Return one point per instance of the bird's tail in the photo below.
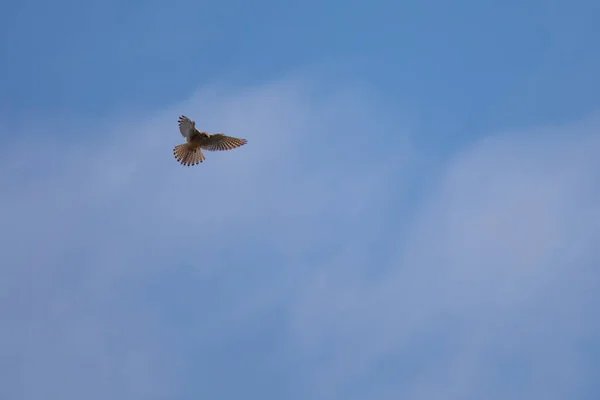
(186, 155)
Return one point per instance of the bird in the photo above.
(190, 152)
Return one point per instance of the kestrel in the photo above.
(190, 153)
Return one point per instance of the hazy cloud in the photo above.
(296, 266)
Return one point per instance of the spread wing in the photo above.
(218, 142)
(186, 126)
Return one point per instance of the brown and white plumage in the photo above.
(190, 152)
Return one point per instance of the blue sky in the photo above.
(415, 215)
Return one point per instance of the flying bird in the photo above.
(190, 152)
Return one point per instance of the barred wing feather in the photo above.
(219, 142)
(186, 126)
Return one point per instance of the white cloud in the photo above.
(93, 227)
(492, 294)
(289, 267)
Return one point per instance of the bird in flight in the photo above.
(190, 152)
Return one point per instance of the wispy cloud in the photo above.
(102, 232)
(296, 266)
(492, 294)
